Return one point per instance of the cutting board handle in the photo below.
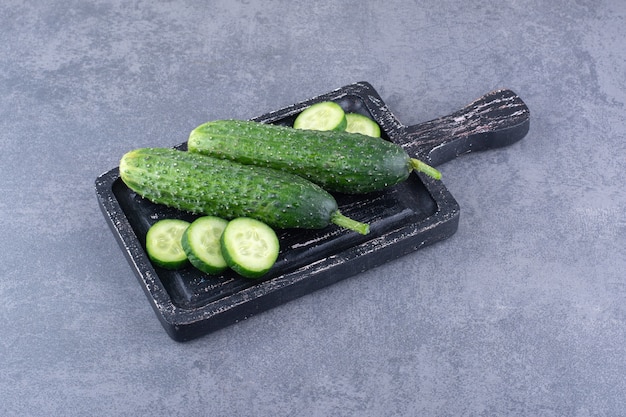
(499, 118)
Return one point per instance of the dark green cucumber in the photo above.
(337, 161)
(217, 187)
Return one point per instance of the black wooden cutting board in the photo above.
(402, 219)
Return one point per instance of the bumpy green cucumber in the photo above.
(204, 185)
(338, 161)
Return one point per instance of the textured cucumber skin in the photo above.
(337, 161)
(204, 185)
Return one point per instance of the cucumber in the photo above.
(337, 161)
(201, 243)
(163, 243)
(357, 123)
(326, 115)
(250, 247)
(204, 185)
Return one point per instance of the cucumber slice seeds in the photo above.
(357, 123)
(250, 247)
(201, 243)
(326, 115)
(163, 243)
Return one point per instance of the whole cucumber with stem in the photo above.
(205, 185)
(338, 161)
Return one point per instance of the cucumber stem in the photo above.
(343, 221)
(425, 168)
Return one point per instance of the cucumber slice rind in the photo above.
(163, 243)
(201, 243)
(326, 115)
(250, 247)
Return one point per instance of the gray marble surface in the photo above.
(521, 313)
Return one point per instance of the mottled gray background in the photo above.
(521, 313)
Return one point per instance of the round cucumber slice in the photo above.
(163, 243)
(201, 243)
(357, 123)
(249, 246)
(326, 115)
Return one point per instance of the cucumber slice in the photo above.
(163, 243)
(249, 246)
(201, 243)
(357, 123)
(326, 115)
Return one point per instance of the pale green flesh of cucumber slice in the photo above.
(357, 123)
(201, 243)
(250, 247)
(326, 115)
(163, 243)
